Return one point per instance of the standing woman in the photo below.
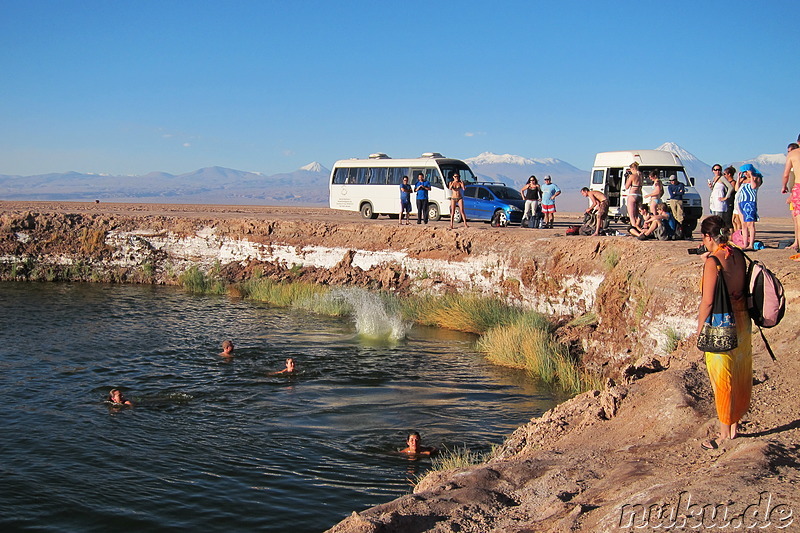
(633, 184)
(457, 199)
(732, 215)
(531, 193)
(748, 203)
(731, 373)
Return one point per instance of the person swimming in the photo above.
(227, 349)
(290, 368)
(415, 446)
(115, 396)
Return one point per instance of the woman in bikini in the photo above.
(634, 187)
(457, 199)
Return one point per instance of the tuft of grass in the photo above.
(309, 297)
(196, 281)
(587, 319)
(528, 344)
(462, 312)
(673, 338)
(610, 258)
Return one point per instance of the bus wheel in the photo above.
(433, 212)
(367, 212)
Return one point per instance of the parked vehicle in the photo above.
(608, 177)
(371, 186)
(485, 200)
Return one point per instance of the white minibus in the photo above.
(608, 177)
(372, 186)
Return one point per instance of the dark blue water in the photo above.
(215, 445)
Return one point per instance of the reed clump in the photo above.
(196, 281)
(299, 295)
(528, 344)
(462, 312)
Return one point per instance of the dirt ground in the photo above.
(624, 458)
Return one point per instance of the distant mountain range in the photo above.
(308, 185)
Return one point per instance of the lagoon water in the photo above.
(215, 445)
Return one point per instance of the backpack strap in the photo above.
(749, 272)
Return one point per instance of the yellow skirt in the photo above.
(731, 372)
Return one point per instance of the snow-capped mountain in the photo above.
(694, 167)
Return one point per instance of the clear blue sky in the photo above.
(128, 87)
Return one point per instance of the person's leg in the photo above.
(453, 207)
(419, 210)
(796, 243)
(425, 215)
(461, 208)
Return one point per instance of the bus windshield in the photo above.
(463, 171)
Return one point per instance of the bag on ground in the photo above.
(589, 223)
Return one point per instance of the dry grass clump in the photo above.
(461, 312)
(528, 344)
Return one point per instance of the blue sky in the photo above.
(129, 87)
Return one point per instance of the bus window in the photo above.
(597, 177)
(464, 172)
(352, 175)
(361, 176)
(432, 175)
(340, 176)
(377, 176)
(396, 174)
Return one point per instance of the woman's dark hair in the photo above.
(714, 227)
(731, 171)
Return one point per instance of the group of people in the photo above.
(734, 198)
(540, 201)
(421, 188)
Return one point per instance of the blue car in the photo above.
(483, 199)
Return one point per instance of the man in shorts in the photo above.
(599, 205)
(793, 162)
(549, 193)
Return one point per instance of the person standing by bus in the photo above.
(421, 188)
(405, 201)
(633, 184)
(549, 193)
(457, 199)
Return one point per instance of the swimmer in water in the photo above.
(289, 367)
(115, 396)
(416, 448)
(227, 349)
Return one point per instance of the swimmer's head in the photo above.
(290, 364)
(413, 440)
(115, 396)
(227, 344)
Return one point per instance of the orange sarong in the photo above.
(731, 372)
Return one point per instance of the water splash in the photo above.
(375, 317)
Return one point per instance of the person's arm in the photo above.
(709, 286)
(557, 192)
(786, 171)
(522, 191)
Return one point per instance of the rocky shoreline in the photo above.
(622, 458)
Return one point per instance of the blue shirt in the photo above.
(547, 193)
(676, 191)
(422, 194)
(405, 192)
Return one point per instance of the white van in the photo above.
(372, 186)
(608, 177)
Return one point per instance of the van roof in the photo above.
(624, 158)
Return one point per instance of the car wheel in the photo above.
(367, 212)
(502, 217)
(433, 212)
(456, 217)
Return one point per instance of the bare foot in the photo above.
(734, 430)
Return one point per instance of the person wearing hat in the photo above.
(549, 193)
(748, 203)
(676, 190)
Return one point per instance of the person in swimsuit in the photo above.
(748, 204)
(599, 204)
(290, 368)
(227, 349)
(793, 167)
(115, 396)
(415, 446)
(658, 190)
(457, 199)
(633, 184)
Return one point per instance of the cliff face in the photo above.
(578, 466)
